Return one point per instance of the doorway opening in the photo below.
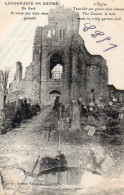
(53, 95)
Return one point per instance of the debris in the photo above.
(91, 129)
(110, 103)
(50, 163)
(91, 104)
(103, 127)
(87, 127)
(91, 109)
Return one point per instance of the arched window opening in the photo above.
(56, 68)
(57, 71)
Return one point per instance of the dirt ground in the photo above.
(20, 148)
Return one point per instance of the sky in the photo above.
(17, 34)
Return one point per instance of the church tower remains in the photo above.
(61, 65)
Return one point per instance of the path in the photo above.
(20, 148)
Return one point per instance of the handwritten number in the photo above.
(97, 33)
(107, 38)
(88, 26)
(113, 46)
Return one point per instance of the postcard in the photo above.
(62, 97)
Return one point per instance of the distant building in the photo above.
(61, 65)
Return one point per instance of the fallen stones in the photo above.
(91, 130)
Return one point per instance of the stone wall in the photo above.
(18, 74)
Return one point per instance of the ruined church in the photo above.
(62, 66)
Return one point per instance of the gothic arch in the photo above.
(50, 54)
(56, 65)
